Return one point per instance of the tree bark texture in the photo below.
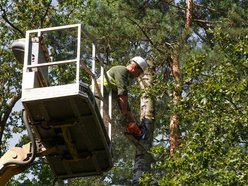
(173, 61)
(188, 15)
(142, 159)
(174, 123)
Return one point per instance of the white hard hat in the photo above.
(140, 61)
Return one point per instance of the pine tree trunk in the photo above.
(142, 159)
(174, 138)
(188, 15)
(174, 124)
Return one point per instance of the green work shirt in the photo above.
(118, 77)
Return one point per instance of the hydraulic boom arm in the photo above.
(14, 162)
(17, 159)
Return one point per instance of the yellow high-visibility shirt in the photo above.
(118, 77)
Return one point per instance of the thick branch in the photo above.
(7, 113)
(4, 16)
(46, 12)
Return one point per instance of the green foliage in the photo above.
(213, 119)
(213, 110)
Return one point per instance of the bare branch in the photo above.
(148, 38)
(204, 21)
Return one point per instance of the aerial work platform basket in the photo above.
(60, 106)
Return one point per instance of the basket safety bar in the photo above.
(54, 28)
(53, 63)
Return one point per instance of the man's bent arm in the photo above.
(124, 107)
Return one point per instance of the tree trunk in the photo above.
(142, 159)
(174, 124)
(188, 15)
(174, 138)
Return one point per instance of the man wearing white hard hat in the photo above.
(119, 80)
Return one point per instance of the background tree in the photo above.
(209, 115)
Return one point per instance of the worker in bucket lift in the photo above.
(118, 77)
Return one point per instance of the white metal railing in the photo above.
(94, 86)
(39, 33)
